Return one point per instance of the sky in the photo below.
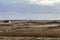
(30, 9)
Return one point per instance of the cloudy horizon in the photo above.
(30, 9)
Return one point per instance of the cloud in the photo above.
(22, 9)
(44, 2)
(23, 6)
(18, 16)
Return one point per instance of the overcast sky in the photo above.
(30, 9)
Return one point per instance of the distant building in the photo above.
(7, 21)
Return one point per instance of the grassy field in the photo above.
(17, 25)
(29, 38)
(34, 27)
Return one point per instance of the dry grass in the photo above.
(30, 28)
(29, 38)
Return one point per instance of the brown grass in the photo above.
(32, 33)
